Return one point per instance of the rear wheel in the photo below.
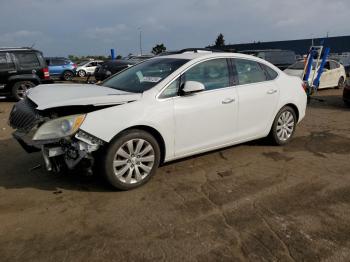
(67, 75)
(131, 160)
(341, 83)
(19, 89)
(283, 127)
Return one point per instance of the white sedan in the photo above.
(162, 109)
(87, 67)
(333, 75)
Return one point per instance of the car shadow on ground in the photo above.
(329, 102)
(22, 170)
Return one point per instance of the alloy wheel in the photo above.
(21, 91)
(81, 73)
(285, 126)
(133, 161)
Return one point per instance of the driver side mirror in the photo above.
(192, 87)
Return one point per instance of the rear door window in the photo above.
(249, 72)
(27, 60)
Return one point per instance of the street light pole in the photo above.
(140, 37)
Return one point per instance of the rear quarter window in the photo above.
(27, 60)
(6, 62)
(271, 74)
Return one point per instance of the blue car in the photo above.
(60, 67)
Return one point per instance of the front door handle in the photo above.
(228, 101)
(272, 91)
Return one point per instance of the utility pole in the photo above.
(140, 38)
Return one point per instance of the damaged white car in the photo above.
(160, 110)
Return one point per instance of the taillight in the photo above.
(75, 65)
(304, 86)
(46, 73)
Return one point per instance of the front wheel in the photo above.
(283, 127)
(81, 73)
(19, 89)
(131, 160)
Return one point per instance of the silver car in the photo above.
(87, 67)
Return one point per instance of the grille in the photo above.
(23, 115)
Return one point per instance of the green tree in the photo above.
(220, 41)
(158, 49)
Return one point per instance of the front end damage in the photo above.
(64, 152)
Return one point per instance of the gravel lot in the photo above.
(252, 202)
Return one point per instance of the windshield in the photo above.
(145, 75)
(83, 63)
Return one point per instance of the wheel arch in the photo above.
(295, 108)
(155, 133)
(30, 78)
(67, 70)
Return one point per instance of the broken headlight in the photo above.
(59, 128)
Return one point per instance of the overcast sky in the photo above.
(83, 27)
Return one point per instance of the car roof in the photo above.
(4, 49)
(56, 57)
(207, 54)
(265, 50)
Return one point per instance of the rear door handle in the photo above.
(272, 91)
(228, 101)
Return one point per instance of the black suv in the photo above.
(112, 67)
(21, 69)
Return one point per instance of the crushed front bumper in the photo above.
(62, 153)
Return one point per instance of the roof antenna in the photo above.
(33, 45)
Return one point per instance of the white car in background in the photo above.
(165, 108)
(334, 74)
(87, 67)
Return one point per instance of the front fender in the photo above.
(105, 124)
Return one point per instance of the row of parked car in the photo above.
(65, 69)
(24, 68)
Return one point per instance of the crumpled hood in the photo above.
(58, 95)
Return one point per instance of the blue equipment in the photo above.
(315, 63)
(112, 54)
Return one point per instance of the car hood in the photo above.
(59, 95)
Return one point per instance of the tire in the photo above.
(67, 75)
(284, 126)
(81, 73)
(131, 159)
(347, 103)
(20, 88)
(341, 83)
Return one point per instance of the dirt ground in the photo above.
(252, 202)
